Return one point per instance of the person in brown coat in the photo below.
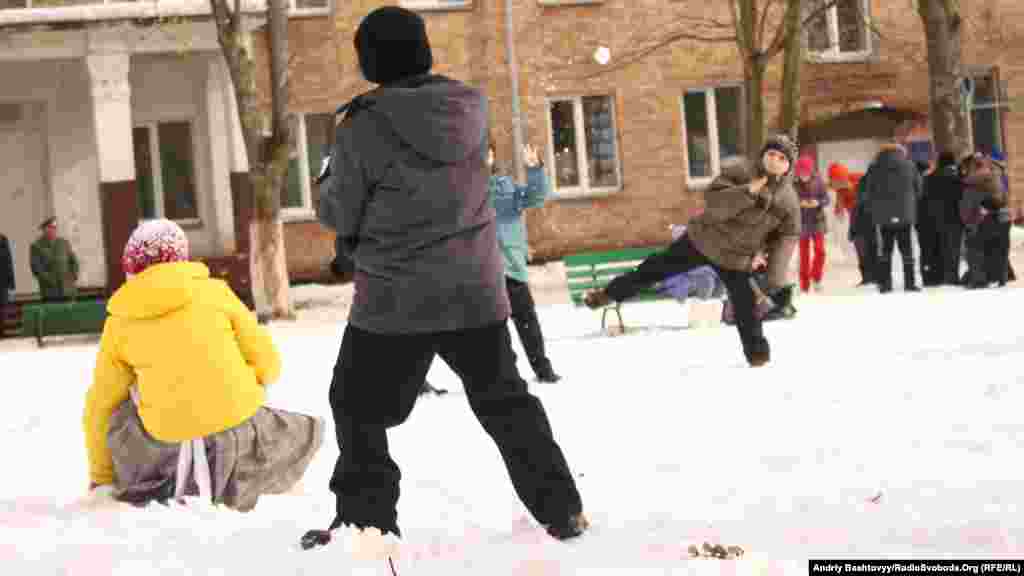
(748, 210)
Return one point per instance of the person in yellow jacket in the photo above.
(177, 400)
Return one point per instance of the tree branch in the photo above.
(236, 18)
(762, 25)
(632, 58)
(743, 38)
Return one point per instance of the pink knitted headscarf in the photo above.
(154, 242)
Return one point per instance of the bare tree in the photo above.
(793, 54)
(761, 30)
(268, 156)
(942, 29)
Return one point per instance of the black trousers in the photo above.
(951, 236)
(524, 316)
(891, 236)
(376, 382)
(682, 256)
(929, 238)
(3, 310)
(988, 253)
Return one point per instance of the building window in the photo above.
(713, 130)
(165, 171)
(582, 145)
(989, 107)
(313, 135)
(838, 29)
(436, 4)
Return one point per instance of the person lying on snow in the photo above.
(180, 382)
(748, 209)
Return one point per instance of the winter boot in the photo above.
(545, 373)
(574, 526)
(759, 354)
(372, 552)
(909, 283)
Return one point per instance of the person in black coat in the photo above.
(6, 278)
(943, 191)
(892, 188)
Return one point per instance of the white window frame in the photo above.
(1001, 105)
(834, 54)
(305, 210)
(436, 5)
(158, 177)
(711, 105)
(295, 10)
(583, 189)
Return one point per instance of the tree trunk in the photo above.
(268, 252)
(753, 86)
(793, 53)
(943, 35)
(268, 158)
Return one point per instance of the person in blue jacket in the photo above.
(510, 201)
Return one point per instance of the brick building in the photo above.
(112, 118)
(630, 148)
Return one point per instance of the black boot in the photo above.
(909, 282)
(884, 275)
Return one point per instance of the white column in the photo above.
(112, 112)
(220, 142)
(238, 153)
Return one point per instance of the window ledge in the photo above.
(299, 13)
(699, 184)
(583, 193)
(297, 215)
(568, 2)
(840, 58)
(190, 223)
(429, 6)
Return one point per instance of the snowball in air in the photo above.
(602, 55)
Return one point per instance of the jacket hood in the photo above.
(157, 290)
(734, 174)
(440, 118)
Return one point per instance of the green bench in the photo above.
(43, 319)
(591, 270)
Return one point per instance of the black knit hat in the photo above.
(392, 45)
(784, 144)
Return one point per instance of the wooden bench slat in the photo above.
(592, 270)
(626, 254)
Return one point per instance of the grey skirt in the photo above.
(266, 454)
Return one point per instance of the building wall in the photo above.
(168, 87)
(69, 165)
(554, 50)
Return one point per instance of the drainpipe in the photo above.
(513, 73)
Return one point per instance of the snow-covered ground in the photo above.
(884, 426)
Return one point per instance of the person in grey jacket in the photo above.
(892, 189)
(407, 193)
